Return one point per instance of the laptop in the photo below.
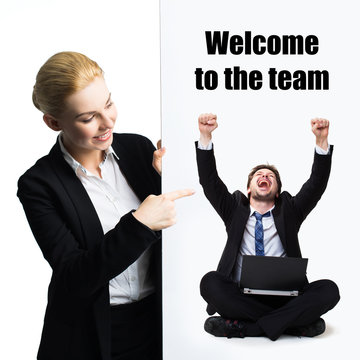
(272, 275)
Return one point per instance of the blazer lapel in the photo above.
(130, 171)
(90, 229)
(280, 224)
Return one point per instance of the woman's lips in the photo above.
(103, 137)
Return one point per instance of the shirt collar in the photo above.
(252, 210)
(75, 165)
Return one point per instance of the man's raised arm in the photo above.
(312, 190)
(215, 190)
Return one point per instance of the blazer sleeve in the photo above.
(83, 260)
(311, 192)
(214, 189)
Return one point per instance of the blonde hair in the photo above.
(61, 76)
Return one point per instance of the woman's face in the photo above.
(88, 119)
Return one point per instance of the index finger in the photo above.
(178, 194)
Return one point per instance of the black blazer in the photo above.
(234, 209)
(83, 259)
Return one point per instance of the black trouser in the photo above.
(274, 314)
(135, 332)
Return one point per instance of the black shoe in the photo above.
(314, 329)
(218, 326)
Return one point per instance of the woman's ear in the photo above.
(51, 122)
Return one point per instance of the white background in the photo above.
(257, 127)
(123, 37)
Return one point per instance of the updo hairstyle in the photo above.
(61, 76)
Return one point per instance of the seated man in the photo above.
(277, 217)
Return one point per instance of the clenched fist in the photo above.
(320, 128)
(207, 124)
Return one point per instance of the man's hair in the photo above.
(269, 167)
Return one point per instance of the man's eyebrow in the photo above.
(93, 112)
(262, 172)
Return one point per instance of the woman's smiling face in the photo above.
(88, 119)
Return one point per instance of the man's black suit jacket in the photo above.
(83, 259)
(234, 209)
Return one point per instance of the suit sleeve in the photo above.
(214, 189)
(78, 269)
(311, 192)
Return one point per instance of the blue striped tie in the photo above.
(259, 233)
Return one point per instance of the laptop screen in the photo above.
(273, 273)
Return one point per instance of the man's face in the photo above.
(263, 186)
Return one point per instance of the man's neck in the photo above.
(261, 206)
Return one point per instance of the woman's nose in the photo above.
(106, 122)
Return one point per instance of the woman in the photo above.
(104, 295)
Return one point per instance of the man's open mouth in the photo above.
(264, 183)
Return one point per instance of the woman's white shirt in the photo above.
(112, 198)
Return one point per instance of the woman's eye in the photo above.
(109, 105)
(85, 121)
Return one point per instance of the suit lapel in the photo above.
(130, 171)
(280, 224)
(90, 229)
(239, 220)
